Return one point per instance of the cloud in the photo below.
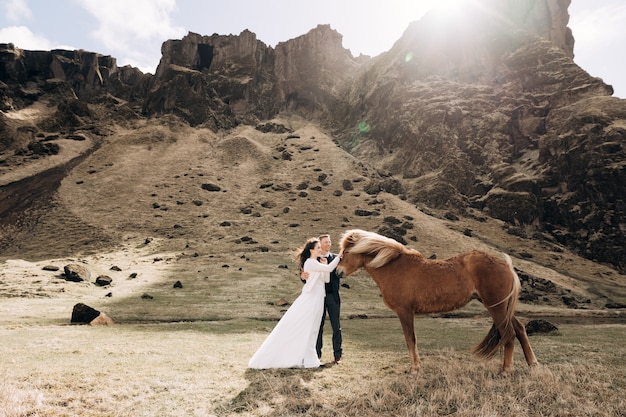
(23, 38)
(121, 22)
(17, 10)
(599, 35)
(133, 31)
(599, 24)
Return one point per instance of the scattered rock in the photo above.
(211, 187)
(451, 216)
(146, 296)
(281, 303)
(76, 273)
(115, 268)
(365, 213)
(615, 305)
(271, 127)
(104, 280)
(178, 284)
(392, 220)
(50, 268)
(393, 232)
(83, 314)
(540, 326)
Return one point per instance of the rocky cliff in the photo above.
(482, 112)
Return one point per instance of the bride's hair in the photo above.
(304, 252)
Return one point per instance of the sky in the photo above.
(132, 31)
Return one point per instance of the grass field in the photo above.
(200, 369)
(185, 351)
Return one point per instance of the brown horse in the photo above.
(411, 284)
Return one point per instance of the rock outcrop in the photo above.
(492, 114)
(28, 75)
(221, 81)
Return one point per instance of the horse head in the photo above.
(352, 261)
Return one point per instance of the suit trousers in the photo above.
(332, 307)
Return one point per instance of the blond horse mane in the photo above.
(382, 248)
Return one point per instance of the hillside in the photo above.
(236, 151)
(196, 200)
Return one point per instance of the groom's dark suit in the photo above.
(332, 303)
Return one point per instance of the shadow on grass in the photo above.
(277, 389)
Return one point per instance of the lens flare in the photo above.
(364, 127)
(408, 57)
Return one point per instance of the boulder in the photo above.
(76, 273)
(540, 326)
(83, 314)
(104, 280)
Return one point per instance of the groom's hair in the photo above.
(323, 236)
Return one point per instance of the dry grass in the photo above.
(199, 369)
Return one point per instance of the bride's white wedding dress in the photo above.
(292, 342)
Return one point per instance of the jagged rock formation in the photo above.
(501, 120)
(479, 111)
(221, 81)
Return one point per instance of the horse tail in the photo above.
(496, 339)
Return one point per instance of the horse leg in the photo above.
(406, 319)
(507, 332)
(507, 361)
(520, 332)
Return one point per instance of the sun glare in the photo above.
(449, 6)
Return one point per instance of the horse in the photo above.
(411, 284)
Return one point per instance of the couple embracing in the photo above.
(296, 341)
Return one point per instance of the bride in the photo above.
(292, 342)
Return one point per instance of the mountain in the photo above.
(478, 117)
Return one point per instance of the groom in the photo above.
(332, 304)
